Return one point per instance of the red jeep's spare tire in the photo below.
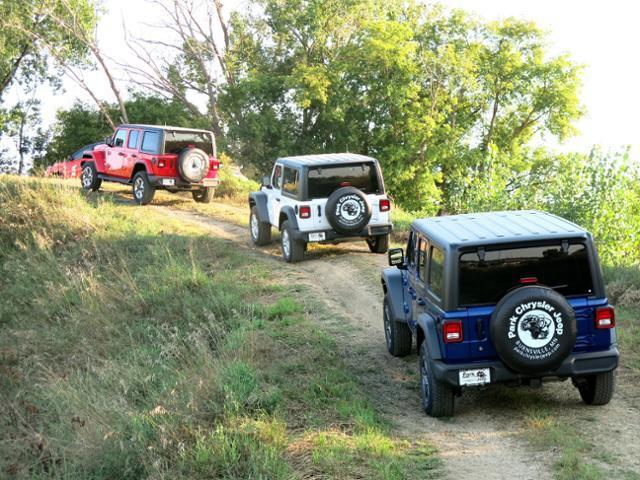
(193, 165)
(533, 329)
(348, 210)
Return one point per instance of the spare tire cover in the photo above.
(348, 210)
(533, 329)
(193, 165)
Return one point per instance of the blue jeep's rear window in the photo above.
(487, 281)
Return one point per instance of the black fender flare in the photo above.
(291, 217)
(391, 280)
(428, 325)
(259, 200)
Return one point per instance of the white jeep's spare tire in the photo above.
(348, 210)
(193, 165)
(533, 329)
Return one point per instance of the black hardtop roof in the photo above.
(325, 159)
(477, 229)
(163, 127)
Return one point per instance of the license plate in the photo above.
(317, 237)
(168, 181)
(480, 376)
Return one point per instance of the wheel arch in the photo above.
(287, 213)
(428, 332)
(259, 200)
(391, 280)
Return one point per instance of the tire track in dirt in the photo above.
(484, 438)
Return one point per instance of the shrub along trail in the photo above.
(497, 433)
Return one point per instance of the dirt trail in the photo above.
(484, 438)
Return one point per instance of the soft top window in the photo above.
(323, 181)
(486, 280)
(175, 141)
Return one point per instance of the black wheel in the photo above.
(203, 195)
(292, 249)
(533, 329)
(89, 177)
(379, 244)
(437, 397)
(597, 389)
(348, 210)
(260, 231)
(193, 165)
(143, 191)
(397, 334)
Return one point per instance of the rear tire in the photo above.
(292, 249)
(203, 195)
(597, 389)
(378, 244)
(260, 232)
(89, 177)
(397, 334)
(143, 191)
(437, 397)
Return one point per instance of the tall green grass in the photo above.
(132, 346)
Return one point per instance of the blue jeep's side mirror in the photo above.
(396, 257)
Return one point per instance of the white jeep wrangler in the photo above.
(321, 198)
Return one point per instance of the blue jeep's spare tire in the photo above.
(348, 210)
(533, 329)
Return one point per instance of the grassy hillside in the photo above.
(136, 347)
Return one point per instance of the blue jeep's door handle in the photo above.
(421, 302)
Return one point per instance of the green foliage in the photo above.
(233, 184)
(30, 30)
(134, 346)
(433, 94)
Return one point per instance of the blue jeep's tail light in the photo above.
(452, 331)
(305, 211)
(605, 318)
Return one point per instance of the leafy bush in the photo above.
(233, 185)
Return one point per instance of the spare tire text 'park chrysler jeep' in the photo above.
(151, 157)
(325, 198)
(502, 297)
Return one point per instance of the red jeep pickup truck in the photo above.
(150, 157)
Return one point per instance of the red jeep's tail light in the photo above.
(161, 163)
(385, 205)
(305, 211)
(452, 331)
(605, 318)
(214, 164)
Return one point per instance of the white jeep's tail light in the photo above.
(452, 331)
(385, 205)
(605, 318)
(305, 211)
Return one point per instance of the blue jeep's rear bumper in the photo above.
(575, 365)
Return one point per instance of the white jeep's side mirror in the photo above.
(266, 182)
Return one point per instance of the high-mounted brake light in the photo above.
(305, 211)
(385, 205)
(605, 318)
(527, 280)
(452, 331)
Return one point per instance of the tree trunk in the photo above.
(20, 143)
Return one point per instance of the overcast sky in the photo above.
(603, 36)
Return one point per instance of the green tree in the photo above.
(21, 126)
(436, 95)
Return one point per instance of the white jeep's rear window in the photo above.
(323, 181)
(485, 281)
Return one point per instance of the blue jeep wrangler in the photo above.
(500, 297)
